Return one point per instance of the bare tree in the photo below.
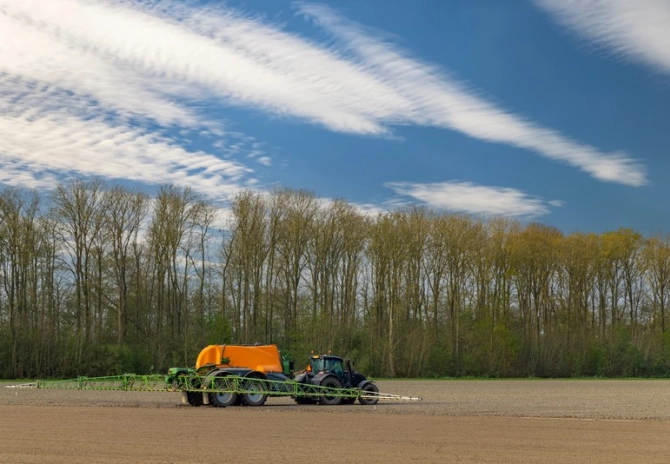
(20, 244)
(292, 240)
(124, 210)
(170, 237)
(77, 208)
(656, 258)
(246, 252)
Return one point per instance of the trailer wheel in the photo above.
(371, 388)
(256, 395)
(194, 398)
(222, 399)
(330, 399)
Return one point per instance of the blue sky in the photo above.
(542, 110)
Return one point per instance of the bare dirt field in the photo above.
(457, 421)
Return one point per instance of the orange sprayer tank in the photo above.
(262, 358)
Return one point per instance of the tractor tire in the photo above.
(194, 398)
(221, 400)
(372, 388)
(257, 396)
(330, 382)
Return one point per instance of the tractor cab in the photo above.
(333, 364)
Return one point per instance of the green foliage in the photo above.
(440, 363)
(594, 363)
(107, 360)
(504, 352)
(660, 367)
(625, 359)
(5, 355)
(218, 330)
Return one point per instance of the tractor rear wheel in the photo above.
(328, 397)
(369, 388)
(256, 395)
(222, 399)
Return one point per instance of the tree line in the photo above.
(98, 279)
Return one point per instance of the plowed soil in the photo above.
(621, 421)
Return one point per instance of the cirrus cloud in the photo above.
(637, 30)
(160, 61)
(466, 197)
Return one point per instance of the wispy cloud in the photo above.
(36, 45)
(438, 100)
(466, 197)
(57, 140)
(638, 30)
(93, 87)
(71, 106)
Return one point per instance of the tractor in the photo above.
(337, 373)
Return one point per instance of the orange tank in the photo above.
(262, 358)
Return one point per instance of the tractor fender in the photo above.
(357, 378)
(305, 377)
(319, 378)
(362, 384)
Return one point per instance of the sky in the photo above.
(551, 111)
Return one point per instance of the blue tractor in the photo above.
(335, 373)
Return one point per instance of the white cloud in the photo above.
(71, 108)
(638, 30)
(17, 174)
(437, 100)
(466, 197)
(33, 52)
(58, 141)
(100, 83)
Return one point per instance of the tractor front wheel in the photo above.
(369, 400)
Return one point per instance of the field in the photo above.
(457, 421)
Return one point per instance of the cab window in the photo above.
(317, 365)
